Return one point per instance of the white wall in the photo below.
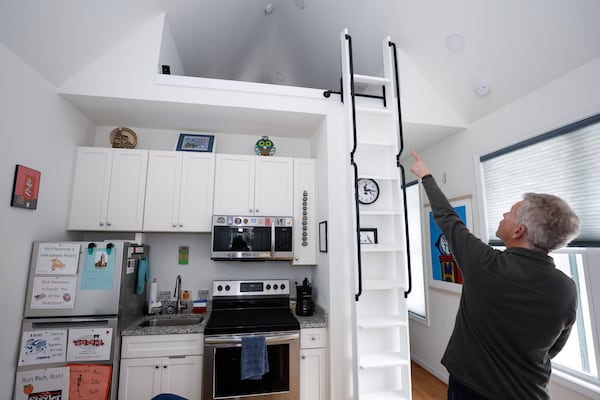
(39, 130)
(568, 99)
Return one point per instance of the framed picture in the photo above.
(323, 236)
(25, 188)
(368, 235)
(445, 273)
(193, 142)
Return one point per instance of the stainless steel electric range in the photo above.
(251, 308)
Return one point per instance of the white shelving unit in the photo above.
(381, 341)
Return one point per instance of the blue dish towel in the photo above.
(143, 275)
(255, 362)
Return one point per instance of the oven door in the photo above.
(222, 368)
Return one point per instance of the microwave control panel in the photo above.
(233, 220)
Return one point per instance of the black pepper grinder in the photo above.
(304, 307)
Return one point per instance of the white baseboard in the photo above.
(441, 375)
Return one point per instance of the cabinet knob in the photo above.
(164, 366)
(156, 366)
(101, 223)
(108, 223)
(304, 357)
(181, 225)
(174, 225)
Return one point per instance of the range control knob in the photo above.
(227, 288)
(282, 286)
(219, 288)
(275, 287)
(268, 287)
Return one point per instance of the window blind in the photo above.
(564, 162)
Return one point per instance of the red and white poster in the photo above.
(89, 344)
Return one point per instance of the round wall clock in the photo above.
(368, 191)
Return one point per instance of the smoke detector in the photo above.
(482, 87)
(269, 8)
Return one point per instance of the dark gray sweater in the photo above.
(516, 312)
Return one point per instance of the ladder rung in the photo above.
(387, 395)
(370, 80)
(373, 110)
(384, 360)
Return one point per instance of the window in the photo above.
(562, 162)
(416, 300)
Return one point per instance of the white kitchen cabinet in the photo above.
(108, 189)
(179, 192)
(314, 365)
(305, 212)
(156, 364)
(253, 185)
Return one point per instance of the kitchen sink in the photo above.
(170, 321)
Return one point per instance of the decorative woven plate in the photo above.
(122, 137)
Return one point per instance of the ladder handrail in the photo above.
(355, 166)
(402, 173)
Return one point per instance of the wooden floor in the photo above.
(425, 386)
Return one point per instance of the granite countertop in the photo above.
(319, 319)
(136, 330)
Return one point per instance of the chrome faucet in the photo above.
(179, 305)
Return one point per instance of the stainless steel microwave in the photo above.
(251, 238)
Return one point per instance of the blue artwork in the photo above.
(443, 265)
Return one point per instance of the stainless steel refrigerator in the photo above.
(80, 295)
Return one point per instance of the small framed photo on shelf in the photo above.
(368, 235)
(194, 142)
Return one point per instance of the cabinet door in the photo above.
(305, 212)
(197, 188)
(313, 374)
(127, 190)
(183, 376)
(161, 210)
(274, 186)
(234, 185)
(140, 378)
(89, 193)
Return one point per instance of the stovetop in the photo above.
(250, 306)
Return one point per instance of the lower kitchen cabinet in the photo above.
(156, 364)
(314, 376)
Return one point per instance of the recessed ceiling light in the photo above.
(269, 8)
(455, 42)
(482, 87)
(299, 4)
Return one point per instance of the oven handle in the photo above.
(237, 339)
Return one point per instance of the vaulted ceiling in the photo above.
(512, 46)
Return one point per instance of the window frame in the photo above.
(425, 320)
(562, 376)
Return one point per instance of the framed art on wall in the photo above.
(195, 142)
(25, 187)
(445, 272)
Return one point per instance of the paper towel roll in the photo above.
(153, 291)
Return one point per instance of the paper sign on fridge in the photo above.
(89, 344)
(50, 383)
